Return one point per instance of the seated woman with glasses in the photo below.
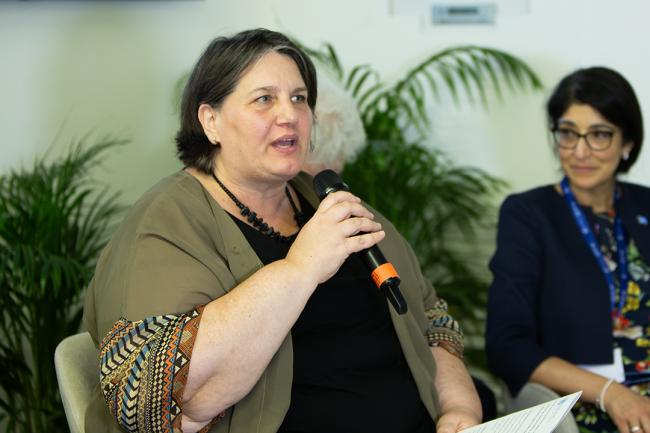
(568, 307)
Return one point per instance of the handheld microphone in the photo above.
(383, 273)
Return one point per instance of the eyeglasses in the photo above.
(597, 140)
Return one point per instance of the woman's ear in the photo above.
(627, 148)
(209, 118)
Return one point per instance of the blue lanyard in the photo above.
(590, 239)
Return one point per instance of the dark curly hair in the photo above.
(216, 75)
(609, 93)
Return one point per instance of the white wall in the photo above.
(111, 67)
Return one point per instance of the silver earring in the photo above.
(625, 156)
(214, 140)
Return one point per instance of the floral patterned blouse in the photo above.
(635, 343)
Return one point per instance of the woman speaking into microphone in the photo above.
(230, 299)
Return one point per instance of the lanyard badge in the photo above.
(620, 322)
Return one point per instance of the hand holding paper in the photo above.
(542, 418)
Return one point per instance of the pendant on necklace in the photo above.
(620, 322)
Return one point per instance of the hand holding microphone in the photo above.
(340, 226)
(383, 272)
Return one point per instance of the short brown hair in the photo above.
(216, 75)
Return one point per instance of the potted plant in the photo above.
(438, 205)
(53, 224)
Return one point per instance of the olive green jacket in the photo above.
(177, 248)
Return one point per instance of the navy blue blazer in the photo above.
(549, 296)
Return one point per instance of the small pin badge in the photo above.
(642, 219)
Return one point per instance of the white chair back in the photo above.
(76, 361)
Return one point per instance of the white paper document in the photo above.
(542, 418)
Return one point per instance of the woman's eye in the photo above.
(567, 133)
(299, 98)
(263, 98)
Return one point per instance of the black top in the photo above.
(549, 296)
(349, 373)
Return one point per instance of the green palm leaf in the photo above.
(53, 223)
(436, 204)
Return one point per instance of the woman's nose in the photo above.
(286, 111)
(582, 149)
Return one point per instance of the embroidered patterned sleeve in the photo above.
(144, 367)
(443, 330)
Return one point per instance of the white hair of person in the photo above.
(338, 134)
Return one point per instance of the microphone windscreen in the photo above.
(328, 181)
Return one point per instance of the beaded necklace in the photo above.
(258, 222)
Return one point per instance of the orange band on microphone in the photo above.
(382, 273)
